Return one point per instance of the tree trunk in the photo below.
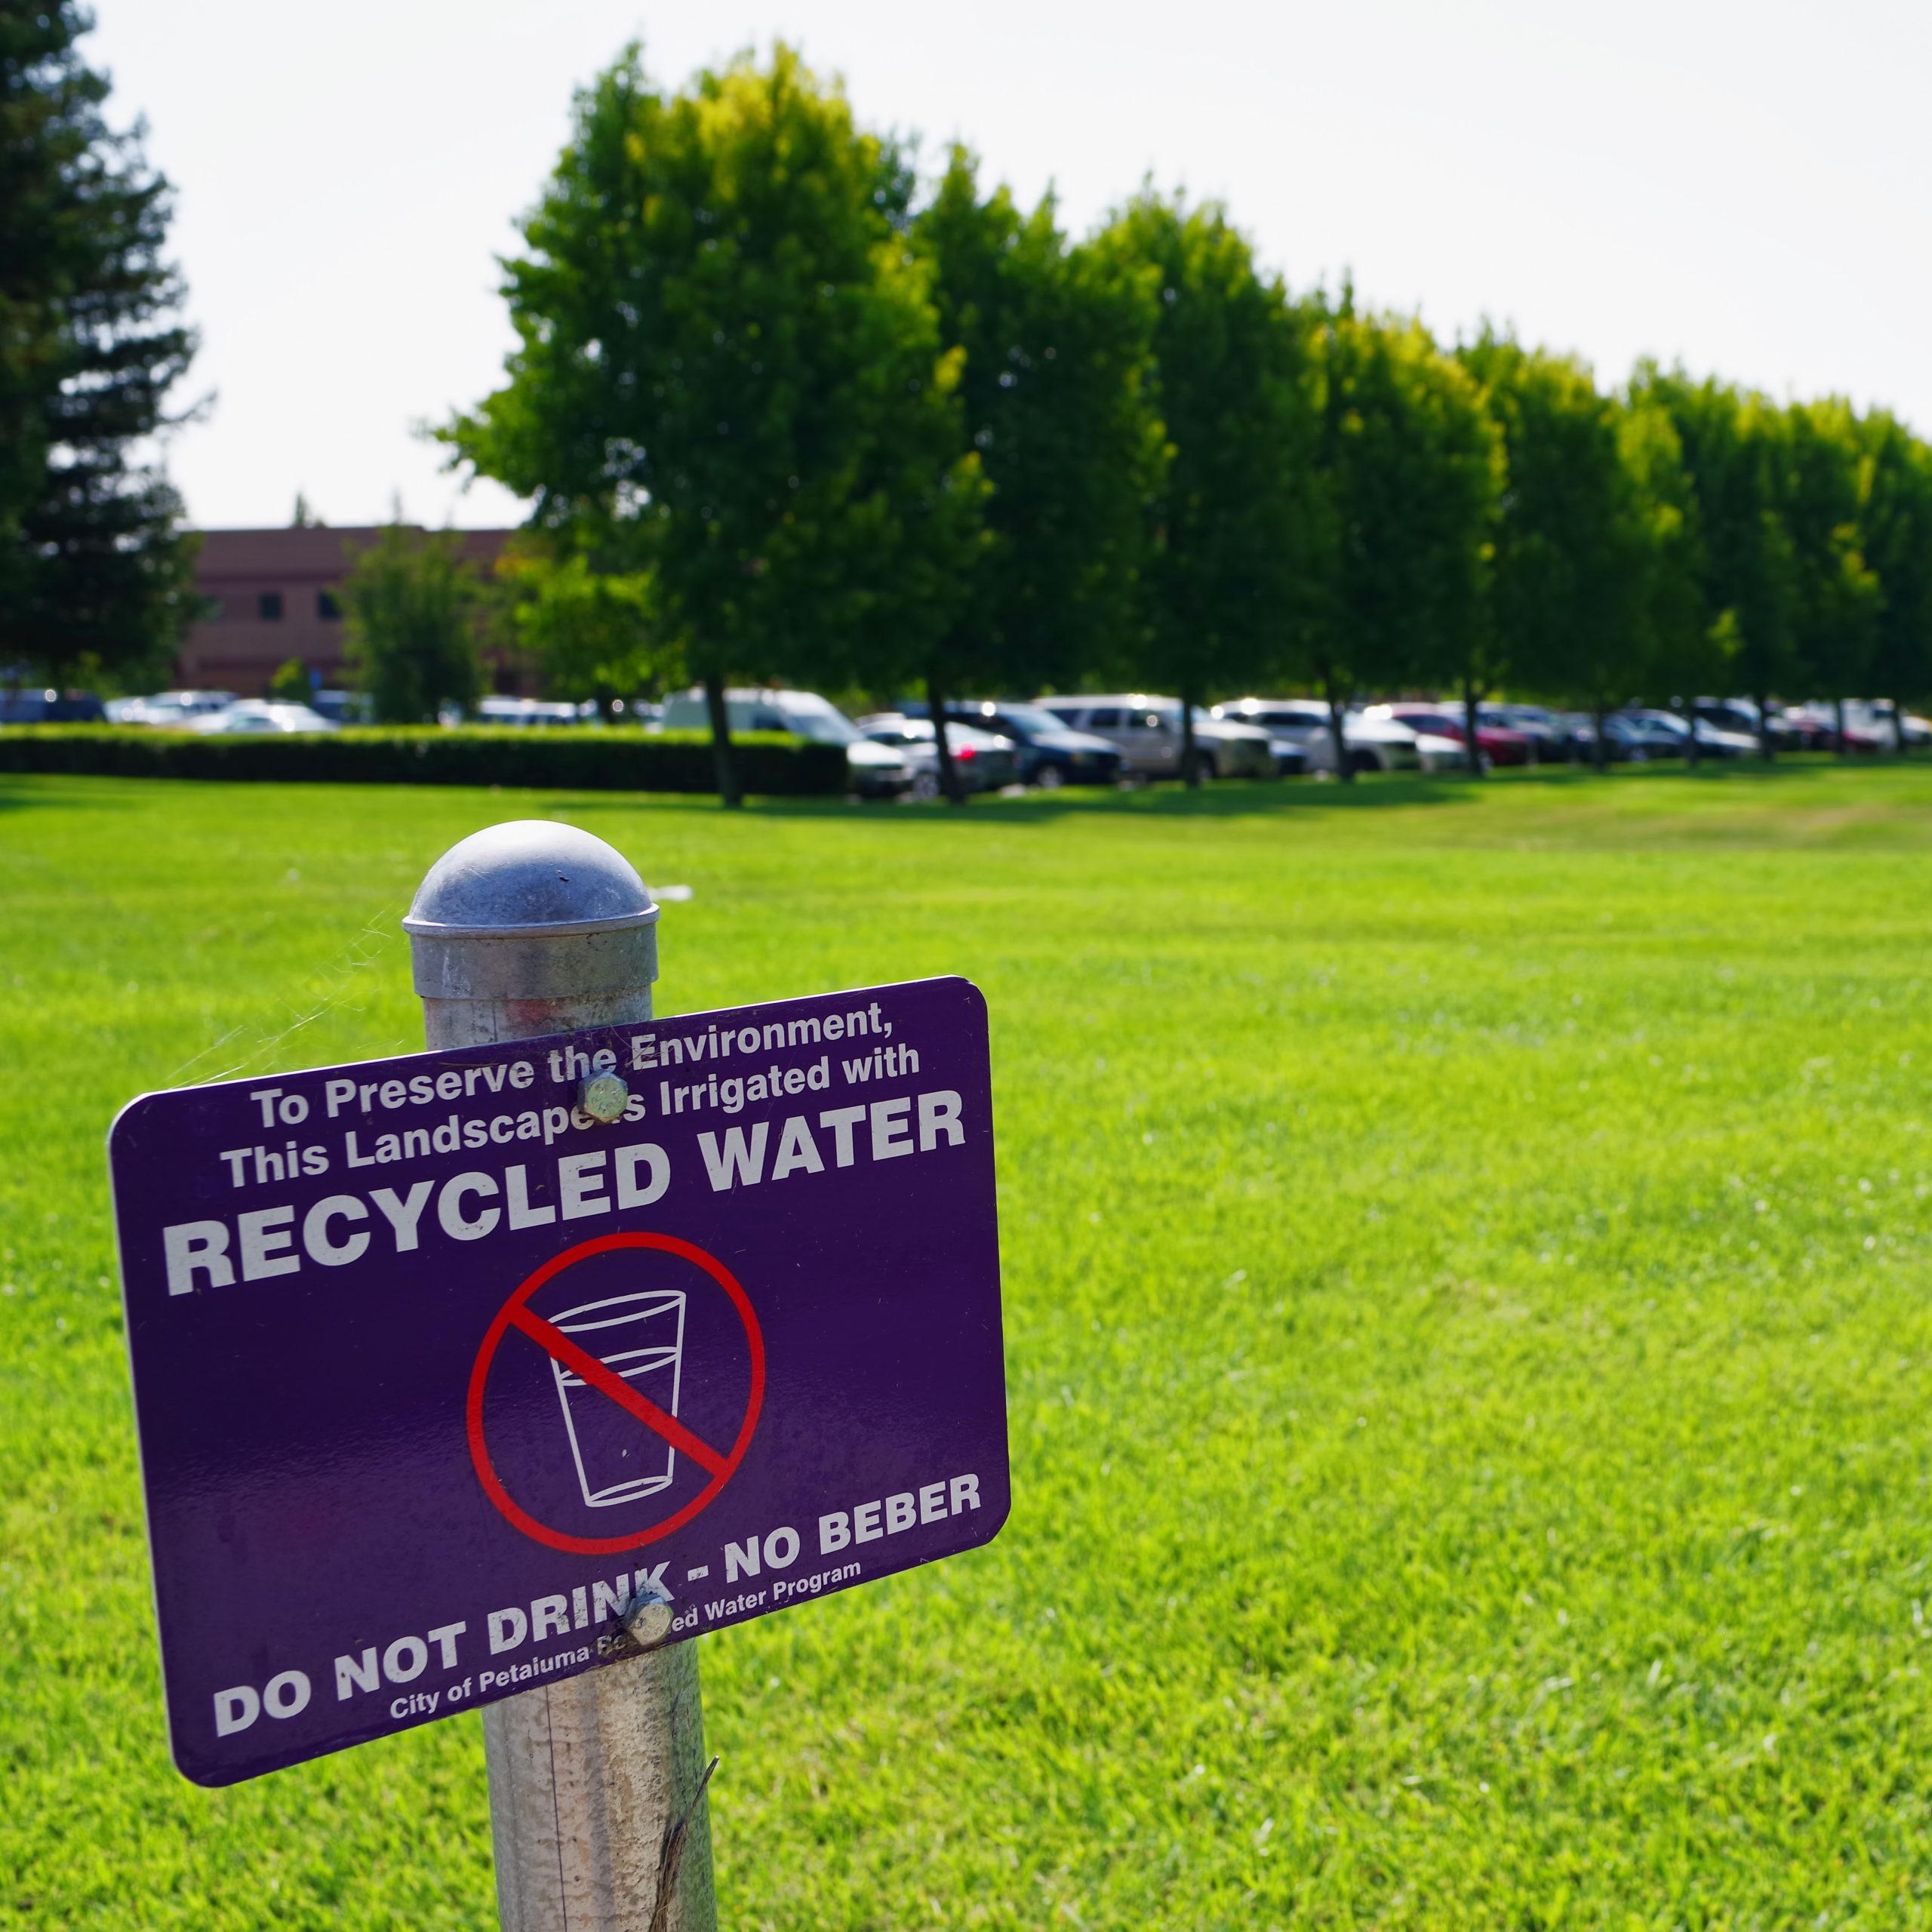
(1344, 770)
(1837, 707)
(1470, 727)
(1190, 752)
(1765, 749)
(1898, 726)
(951, 790)
(1691, 753)
(1600, 750)
(722, 758)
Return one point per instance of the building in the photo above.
(272, 594)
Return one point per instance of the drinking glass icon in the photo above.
(641, 1338)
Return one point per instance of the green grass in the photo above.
(1469, 1347)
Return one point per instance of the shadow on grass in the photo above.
(1225, 798)
(22, 791)
(1230, 799)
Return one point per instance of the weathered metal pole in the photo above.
(597, 1801)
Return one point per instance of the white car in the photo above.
(1372, 743)
(873, 770)
(1148, 731)
(528, 711)
(262, 717)
(984, 761)
(175, 710)
(1874, 718)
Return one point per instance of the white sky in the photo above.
(1740, 186)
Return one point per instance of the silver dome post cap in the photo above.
(541, 915)
(529, 878)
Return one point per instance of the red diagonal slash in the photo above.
(556, 1344)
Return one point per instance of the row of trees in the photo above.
(782, 417)
(782, 413)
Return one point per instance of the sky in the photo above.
(1737, 187)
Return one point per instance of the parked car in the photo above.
(872, 770)
(1441, 754)
(1788, 734)
(52, 707)
(1875, 718)
(1712, 742)
(169, 710)
(1545, 729)
(1497, 744)
(1623, 743)
(1371, 743)
(1300, 725)
(1050, 754)
(984, 761)
(262, 717)
(526, 712)
(1863, 733)
(344, 707)
(1148, 732)
(1659, 737)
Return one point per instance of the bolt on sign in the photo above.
(445, 1364)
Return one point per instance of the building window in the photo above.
(327, 608)
(213, 609)
(268, 607)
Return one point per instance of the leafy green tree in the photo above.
(1835, 594)
(1734, 450)
(1568, 590)
(1435, 421)
(1897, 527)
(728, 375)
(1679, 652)
(96, 574)
(1408, 467)
(1053, 393)
(412, 610)
(590, 634)
(1233, 389)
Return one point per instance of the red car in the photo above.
(1496, 742)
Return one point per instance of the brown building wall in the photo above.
(251, 575)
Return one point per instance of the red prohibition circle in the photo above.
(507, 1504)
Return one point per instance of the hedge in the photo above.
(617, 760)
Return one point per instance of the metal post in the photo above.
(597, 1800)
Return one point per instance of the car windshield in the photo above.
(826, 727)
(1027, 717)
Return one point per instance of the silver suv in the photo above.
(1148, 732)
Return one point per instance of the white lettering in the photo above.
(580, 1185)
(449, 1206)
(939, 1113)
(739, 1161)
(236, 1710)
(891, 1135)
(286, 1696)
(629, 1193)
(193, 1244)
(315, 1242)
(353, 1674)
(403, 1213)
(265, 1231)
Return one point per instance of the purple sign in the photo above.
(435, 1372)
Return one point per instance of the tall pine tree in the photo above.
(95, 571)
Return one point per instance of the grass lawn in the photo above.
(1467, 1260)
